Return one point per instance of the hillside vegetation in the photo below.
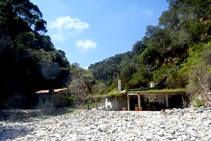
(174, 54)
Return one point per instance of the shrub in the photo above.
(199, 103)
(185, 104)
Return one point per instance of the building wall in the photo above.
(53, 100)
(44, 101)
(59, 99)
(118, 102)
(161, 98)
(121, 102)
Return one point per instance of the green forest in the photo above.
(174, 54)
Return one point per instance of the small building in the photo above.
(52, 98)
(151, 98)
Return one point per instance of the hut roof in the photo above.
(152, 90)
(47, 91)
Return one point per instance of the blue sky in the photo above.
(89, 31)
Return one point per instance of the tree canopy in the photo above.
(165, 51)
(28, 58)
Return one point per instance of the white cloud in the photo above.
(86, 68)
(137, 14)
(134, 8)
(147, 12)
(67, 26)
(86, 45)
(67, 23)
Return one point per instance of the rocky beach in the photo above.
(190, 124)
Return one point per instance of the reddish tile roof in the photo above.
(47, 91)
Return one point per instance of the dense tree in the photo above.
(29, 60)
(99, 88)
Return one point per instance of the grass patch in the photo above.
(98, 97)
(69, 112)
(94, 103)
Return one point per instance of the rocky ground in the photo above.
(176, 124)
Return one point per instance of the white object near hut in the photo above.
(152, 84)
(107, 103)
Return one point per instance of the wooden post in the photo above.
(106, 103)
(183, 99)
(116, 102)
(167, 100)
(139, 101)
(128, 102)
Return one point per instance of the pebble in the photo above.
(96, 125)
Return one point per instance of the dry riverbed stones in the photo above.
(177, 125)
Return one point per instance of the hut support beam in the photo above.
(183, 99)
(167, 100)
(116, 103)
(139, 100)
(128, 102)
